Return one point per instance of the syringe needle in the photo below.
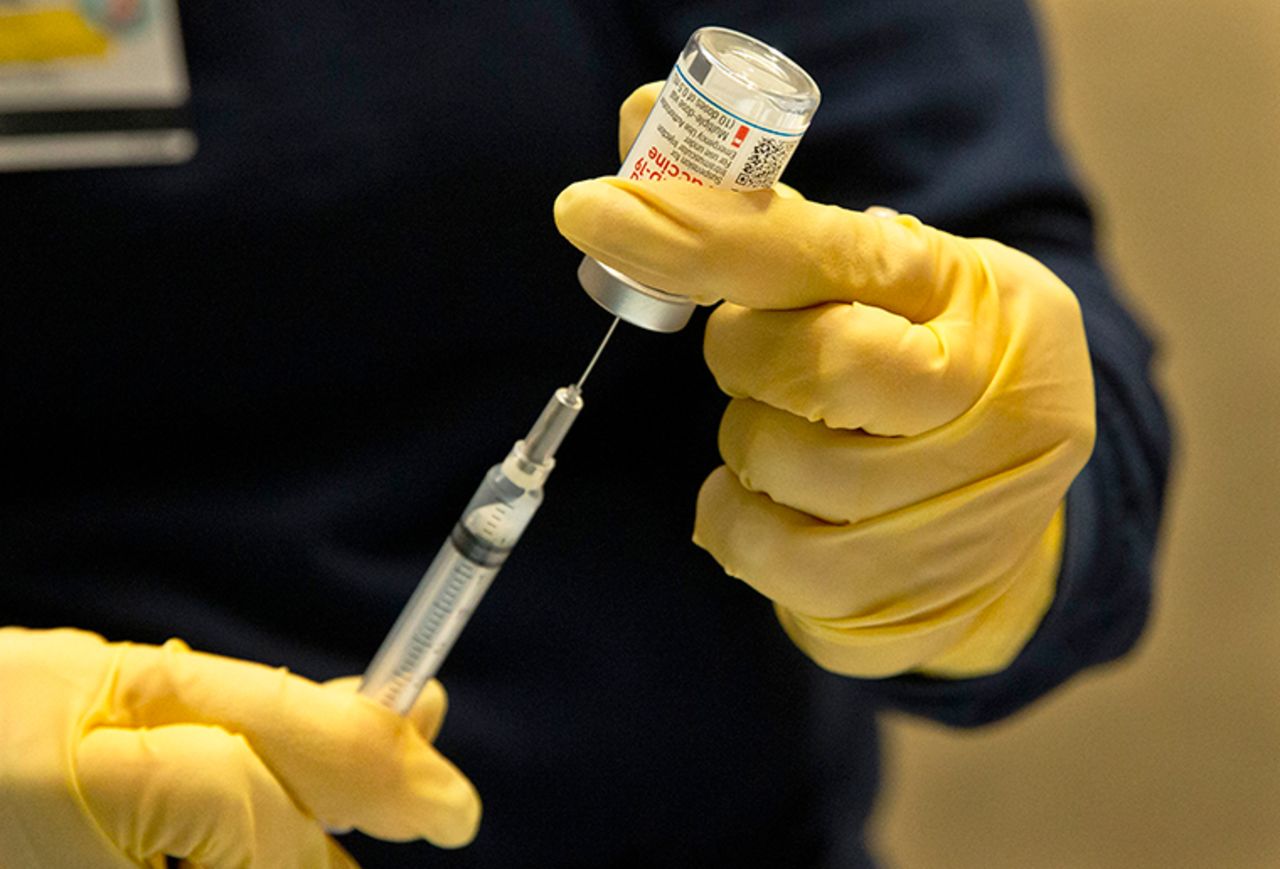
(599, 350)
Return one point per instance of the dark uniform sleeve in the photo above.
(938, 109)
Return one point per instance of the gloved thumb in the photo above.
(631, 116)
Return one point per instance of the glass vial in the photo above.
(730, 115)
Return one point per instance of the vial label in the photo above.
(692, 138)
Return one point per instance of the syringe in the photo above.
(722, 78)
(470, 558)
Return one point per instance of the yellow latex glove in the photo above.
(908, 409)
(114, 754)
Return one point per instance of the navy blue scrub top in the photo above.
(247, 397)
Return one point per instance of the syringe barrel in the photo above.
(730, 115)
(495, 517)
(450, 590)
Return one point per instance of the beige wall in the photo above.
(1171, 759)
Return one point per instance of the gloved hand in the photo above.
(908, 409)
(114, 754)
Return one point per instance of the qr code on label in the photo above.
(765, 162)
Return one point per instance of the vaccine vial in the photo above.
(730, 115)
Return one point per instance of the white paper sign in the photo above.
(92, 83)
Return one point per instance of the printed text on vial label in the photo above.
(688, 138)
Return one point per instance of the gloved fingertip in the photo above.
(338, 858)
(642, 98)
(706, 535)
(880, 211)
(455, 814)
(786, 191)
(567, 204)
(428, 712)
(632, 113)
(698, 540)
(343, 683)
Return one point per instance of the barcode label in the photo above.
(766, 162)
(689, 138)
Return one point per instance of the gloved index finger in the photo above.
(758, 249)
(348, 760)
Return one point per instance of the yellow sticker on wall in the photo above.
(50, 34)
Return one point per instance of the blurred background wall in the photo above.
(1172, 757)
